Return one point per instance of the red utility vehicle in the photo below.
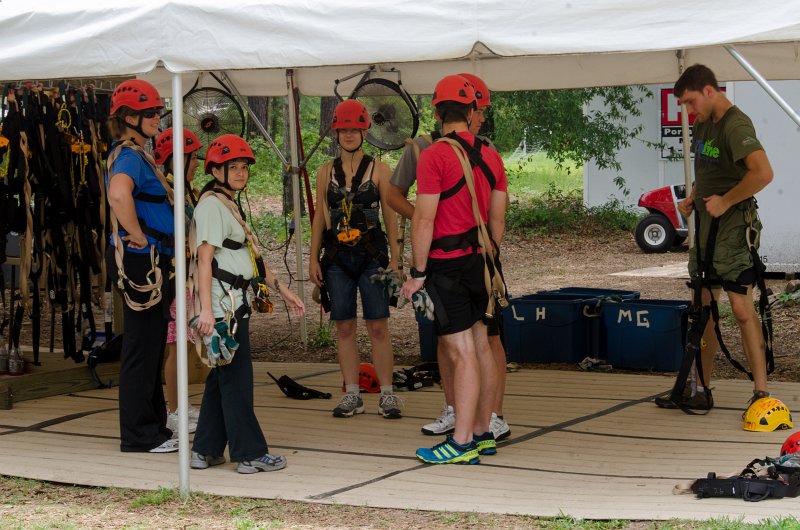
(665, 227)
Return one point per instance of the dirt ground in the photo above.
(532, 264)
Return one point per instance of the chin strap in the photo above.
(348, 150)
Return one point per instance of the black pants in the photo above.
(226, 414)
(142, 409)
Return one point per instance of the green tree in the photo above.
(557, 122)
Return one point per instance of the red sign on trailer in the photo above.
(671, 136)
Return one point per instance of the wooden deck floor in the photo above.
(588, 445)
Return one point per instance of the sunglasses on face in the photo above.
(149, 113)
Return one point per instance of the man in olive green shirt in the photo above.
(730, 168)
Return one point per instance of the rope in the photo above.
(154, 277)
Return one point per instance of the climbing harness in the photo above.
(159, 267)
(493, 280)
(699, 313)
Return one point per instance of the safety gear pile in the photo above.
(52, 193)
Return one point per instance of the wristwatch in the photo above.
(417, 275)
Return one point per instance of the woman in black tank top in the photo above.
(351, 199)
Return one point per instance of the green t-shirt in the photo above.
(214, 223)
(719, 152)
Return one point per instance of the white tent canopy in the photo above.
(514, 44)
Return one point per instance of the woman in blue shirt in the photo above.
(138, 264)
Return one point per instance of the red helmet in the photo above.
(137, 95)
(350, 114)
(453, 88)
(163, 148)
(225, 148)
(481, 90)
(791, 445)
(367, 378)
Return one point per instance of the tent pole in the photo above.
(687, 149)
(180, 284)
(252, 115)
(298, 210)
(764, 84)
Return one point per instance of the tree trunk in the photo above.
(260, 106)
(327, 105)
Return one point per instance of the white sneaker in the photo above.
(267, 462)
(194, 414)
(499, 427)
(169, 446)
(172, 423)
(444, 424)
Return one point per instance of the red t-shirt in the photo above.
(439, 170)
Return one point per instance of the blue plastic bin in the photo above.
(598, 339)
(645, 334)
(548, 328)
(595, 292)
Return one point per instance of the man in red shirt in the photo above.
(448, 262)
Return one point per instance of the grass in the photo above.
(535, 174)
(323, 335)
(546, 199)
(560, 211)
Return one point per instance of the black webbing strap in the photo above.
(236, 281)
(698, 319)
(147, 197)
(475, 160)
(230, 244)
(341, 178)
(712, 240)
(166, 240)
(367, 242)
(463, 241)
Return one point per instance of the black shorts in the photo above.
(458, 292)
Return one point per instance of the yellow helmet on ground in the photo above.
(766, 415)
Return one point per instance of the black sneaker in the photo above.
(665, 402)
(757, 394)
(702, 400)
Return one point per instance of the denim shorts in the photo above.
(342, 286)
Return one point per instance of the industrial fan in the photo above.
(209, 112)
(393, 114)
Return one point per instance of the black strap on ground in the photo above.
(764, 309)
(706, 266)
